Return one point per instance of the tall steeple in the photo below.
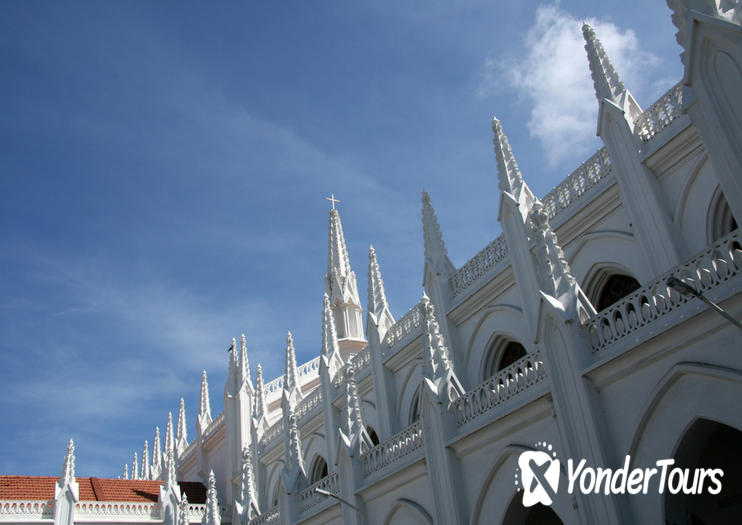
(204, 406)
(342, 289)
(378, 308)
(607, 83)
(181, 436)
(156, 468)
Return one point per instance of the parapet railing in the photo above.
(309, 497)
(213, 426)
(393, 449)
(408, 327)
(362, 360)
(273, 432)
(478, 265)
(27, 510)
(95, 510)
(275, 386)
(707, 270)
(660, 114)
(309, 403)
(505, 384)
(269, 517)
(572, 188)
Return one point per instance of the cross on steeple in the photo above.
(332, 199)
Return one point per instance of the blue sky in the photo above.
(163, 168)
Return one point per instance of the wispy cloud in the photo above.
(553, 77)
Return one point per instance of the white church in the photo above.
(601, 325)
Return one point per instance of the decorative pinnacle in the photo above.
(606, 81)
(554, 268)
(244, 362)
(169, 441)
(156, 450)
(183, 518)
(295, 458)
(353, 423)
(329, 333)
(233, 353)
(145, 462)
(247, 484)
(168, 473)
(204, 409)
(260, 405)
(376, 295)
(436, 353)
(181, 437)
(135, 467)
(126, 471)
(431, 231)
(511, 179)
(291, 376)
(212, 515)
(68, 468)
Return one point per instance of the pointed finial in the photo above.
(247, 506)
(183, 517)
(181, 437)
(337, 252)
(260, 404)
(377, 302)
(434, 246)
(135, 467)
(212, 516)
(244, 362)
(204, 408)
(556, 277)
(291, 376)
(68, 468)
(169, 440)
(329, 346)
(511, 179)
(606, 81)
(156, 468)
(169, 474)
(233, 353)
(126, 471)
(145, 462)
(436, 352)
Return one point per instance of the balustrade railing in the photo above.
(707, 270)
(213, 426)
(94, 510)
(478, 265)
(508, 382)
(362, 360)
(273, 433)
(25, 510)
(309, 403)
(577, 183)
(274, 387)
(660, 114)
(309, 497)
(408, 326)
(396, 447)
(269, 517)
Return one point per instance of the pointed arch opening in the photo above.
(414, 413)
(707, 444)
(608, 284)
(318, 469)
(539, 514)
(720, 220)
(372, 435)
(502, 353)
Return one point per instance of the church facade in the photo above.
(592, 329)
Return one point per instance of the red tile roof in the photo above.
(94, 489)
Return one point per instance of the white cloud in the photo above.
(552, 75)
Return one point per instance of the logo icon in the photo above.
(539, 475)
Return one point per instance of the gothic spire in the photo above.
(145, 461)
(337, 253)
(156, 468)
(291, 386)
(181, 437)
(68, 468)
(606, 81)
(260, 405)
(169, 441)
(378, 308)
(204, 407)
(244, 362)
(212, 515)
(135, 467)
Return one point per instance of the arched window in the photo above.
(502, 353)
(372, 434)
(720, 220)
(614, 288)
(318, 470)
(708, 444)
(415, 407)
(276, 493)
